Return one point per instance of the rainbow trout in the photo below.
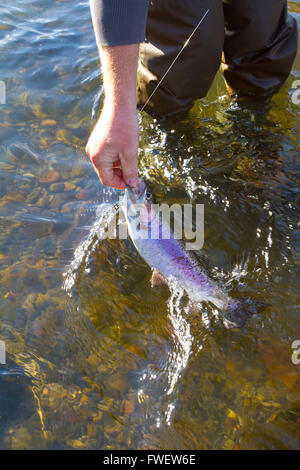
(172, 263)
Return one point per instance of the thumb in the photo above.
(129, 169)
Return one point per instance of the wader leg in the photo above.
(170, 23)
(260, 46)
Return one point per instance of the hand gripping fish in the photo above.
(171, 262)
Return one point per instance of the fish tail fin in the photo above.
(238, 311)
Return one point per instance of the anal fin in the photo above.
(157, 278)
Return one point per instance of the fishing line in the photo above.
(179, 53)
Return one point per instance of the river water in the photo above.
(95, 357)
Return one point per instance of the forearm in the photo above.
(113, 144)
(119, 67)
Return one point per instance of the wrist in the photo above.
(120, 105)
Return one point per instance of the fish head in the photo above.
(141, 194)
(138, 203)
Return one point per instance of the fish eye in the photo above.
(148, 195)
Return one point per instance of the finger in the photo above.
(105, 168)
(118, 180)
(118, 172)
(117, 164)
(129, 169)
(111, 177)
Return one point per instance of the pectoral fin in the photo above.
(158, 279)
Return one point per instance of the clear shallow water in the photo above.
(96, 358)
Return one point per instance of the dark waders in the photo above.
(258, 38)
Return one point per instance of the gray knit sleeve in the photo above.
(119, 22)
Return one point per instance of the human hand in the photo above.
(113, 146)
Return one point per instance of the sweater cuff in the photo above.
(119, 22)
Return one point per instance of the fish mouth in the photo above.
(137, 194)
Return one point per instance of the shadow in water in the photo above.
(16, 398)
